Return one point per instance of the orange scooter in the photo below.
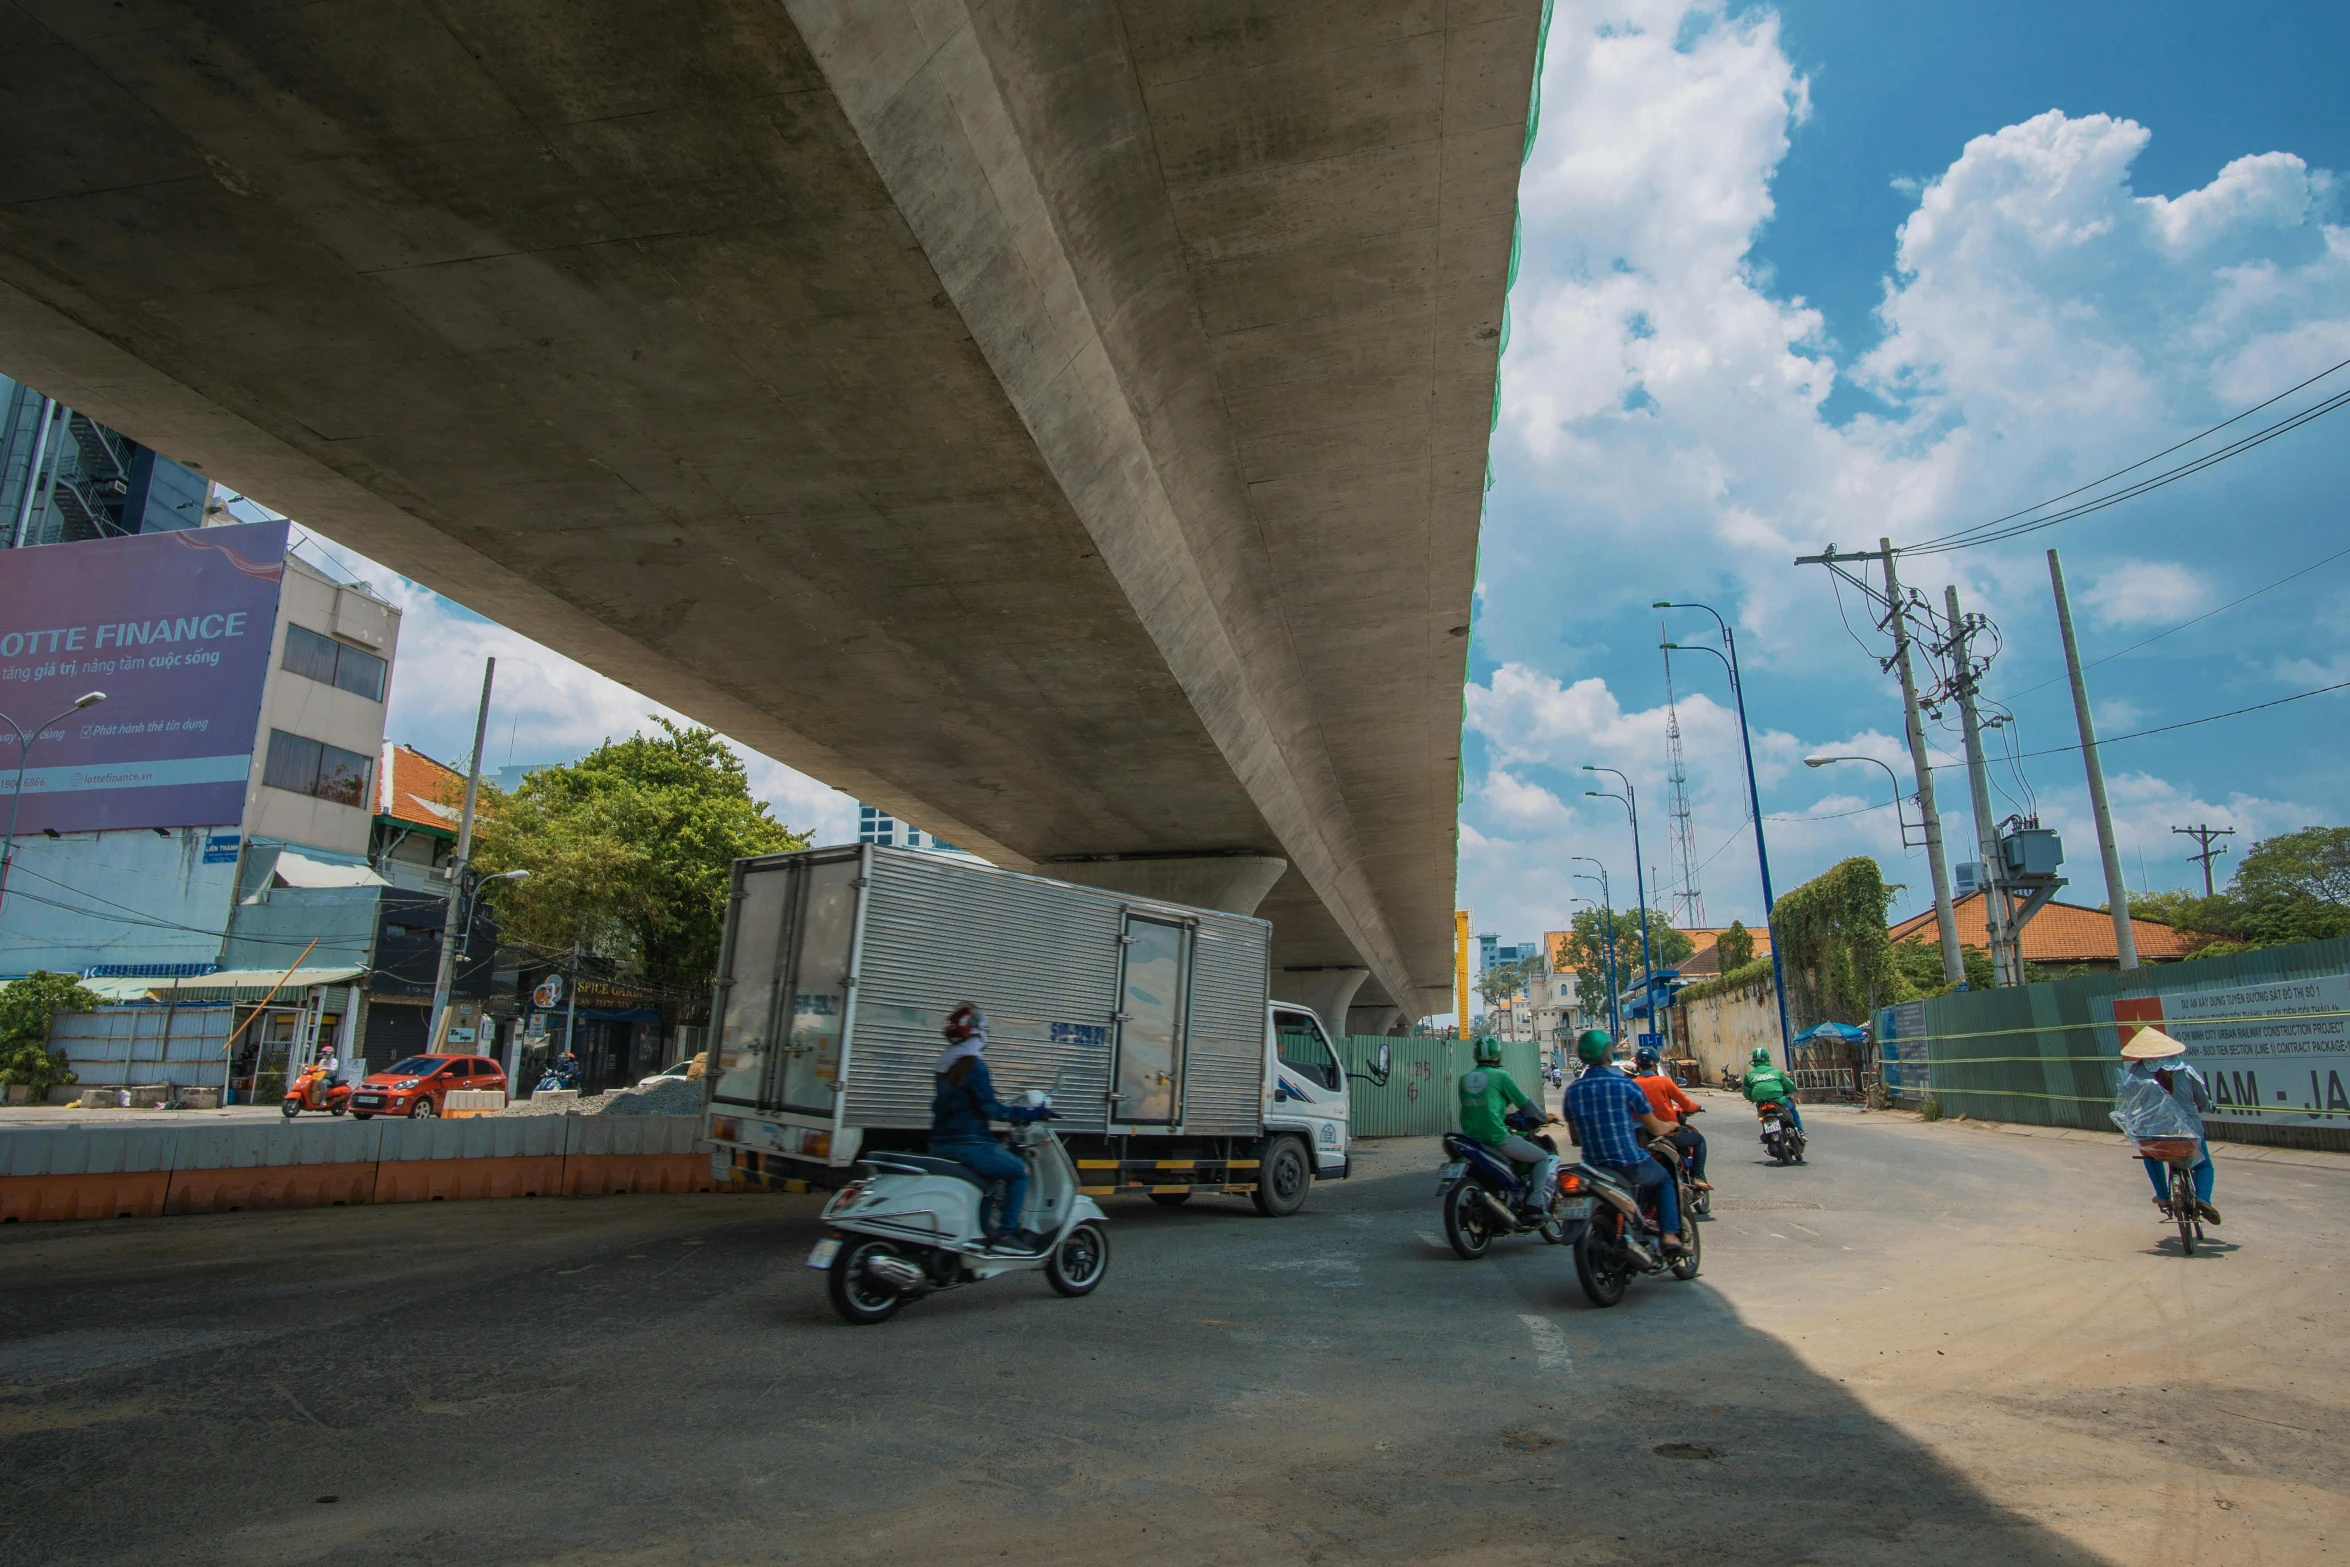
(314, 1090)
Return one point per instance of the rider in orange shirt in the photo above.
(1671, 1105)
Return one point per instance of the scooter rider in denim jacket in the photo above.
(961, 1106)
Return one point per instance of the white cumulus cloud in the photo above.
(2146, 592)
(1664, 424)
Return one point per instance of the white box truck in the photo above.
(1150, 1023)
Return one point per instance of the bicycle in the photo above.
(2180, 1153)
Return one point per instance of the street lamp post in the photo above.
(24, 752)
(1607, 907)
(1822, 761)
(1607, 958)
(1630, 801)
(1762, 851)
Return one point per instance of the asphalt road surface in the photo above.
(1931, 1344)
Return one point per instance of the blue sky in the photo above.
(1814, 272)
(1825, 271)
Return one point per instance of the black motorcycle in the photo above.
(1695, 1199)
(1621, 1237)
(1782, 1139)
(1484, 1195)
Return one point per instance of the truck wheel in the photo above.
(1170, 1199)
(1284, 1179)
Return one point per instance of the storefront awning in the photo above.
(244, 984)
(299, 870)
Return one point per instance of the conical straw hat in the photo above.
(2151, 1044)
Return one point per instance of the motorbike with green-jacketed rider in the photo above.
(1484, 1195)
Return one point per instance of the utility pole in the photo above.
(446, 978)
(2117, 891)
(2006, 961)
(2203, 837)
(1937, 861)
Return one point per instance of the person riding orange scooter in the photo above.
(318, 1087)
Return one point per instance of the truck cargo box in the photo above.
(1144, 1019)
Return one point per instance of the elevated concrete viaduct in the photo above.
(1062, 422)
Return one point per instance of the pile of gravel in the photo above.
(669, 1096)
(568, 1105)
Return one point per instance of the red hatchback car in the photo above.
(419, 1085)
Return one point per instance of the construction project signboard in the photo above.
(2274, 1054)
(175, 629)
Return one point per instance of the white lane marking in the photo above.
(1436, 1241)
(1550, 1345)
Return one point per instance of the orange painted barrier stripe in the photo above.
(154, 1193)
(36, 1197)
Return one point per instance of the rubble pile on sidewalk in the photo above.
(670, 1096)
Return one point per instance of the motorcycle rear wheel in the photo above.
(1466, 1223)
(856, 1298)
(2182, 1203)
(1603, 1282)
(1684, 1264)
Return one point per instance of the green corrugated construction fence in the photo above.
(2270, 1031)
(1422, 1097)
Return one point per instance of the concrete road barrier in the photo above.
(148, 1169)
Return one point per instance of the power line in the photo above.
(2197, 620)
(1998, 528)
(2185, 723)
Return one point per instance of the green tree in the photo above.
(1665, 944)
(26, 1008)
(1585, 953)
(2291, 888)
(2312, 864)
(1919, 964)
(1500, 982)
(629, 851)
(1736, 946)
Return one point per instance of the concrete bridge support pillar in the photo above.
(1234, 883)
(1329, 991)
(1373, 1020)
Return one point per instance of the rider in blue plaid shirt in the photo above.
(1605, 1111)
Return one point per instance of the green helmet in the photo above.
(1487, 1050)
(1761, 1056)
(1593, 1046)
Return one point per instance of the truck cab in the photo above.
(1306, 1086)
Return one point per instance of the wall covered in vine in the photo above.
(1831, 937)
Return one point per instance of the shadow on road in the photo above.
(649, 1379)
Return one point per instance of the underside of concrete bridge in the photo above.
(1062, 422)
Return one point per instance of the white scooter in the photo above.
(912, 1227)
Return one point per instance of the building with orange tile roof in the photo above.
(417, 806)
(2061, 934)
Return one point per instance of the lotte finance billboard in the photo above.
(176, 629)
